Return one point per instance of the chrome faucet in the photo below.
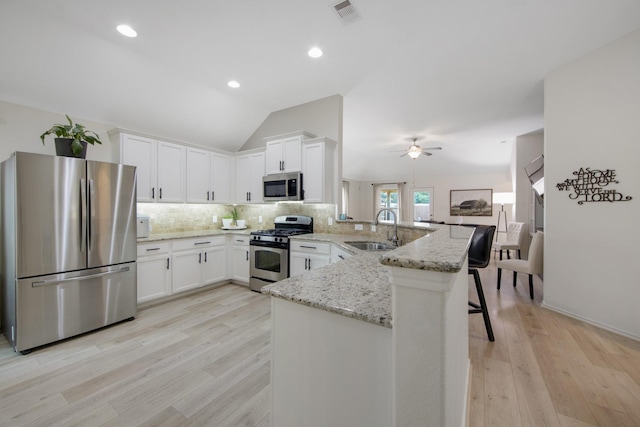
(394, 239)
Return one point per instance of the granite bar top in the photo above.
(359, 287)
(190, 234)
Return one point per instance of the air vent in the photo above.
(347, 12)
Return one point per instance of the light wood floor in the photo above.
(204, 360)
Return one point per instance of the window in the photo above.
(388, 199)
(422, 204)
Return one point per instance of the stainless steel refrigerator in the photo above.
(68, 232)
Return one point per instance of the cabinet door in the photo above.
(257, 170)
(154, 277)
(274, 156)
(297, 263)
(198, 176)
(292, 154)
(220, 178)
(241, 263)
(141, 153)
(186, 270)
(171, 172)
(242, 178)
(214, 262)
(316, 261)
(313, 160)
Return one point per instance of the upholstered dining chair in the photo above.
(516, 233)
(532, 265)
(479, 257)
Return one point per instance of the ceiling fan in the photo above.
(414, 151)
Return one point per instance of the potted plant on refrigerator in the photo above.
(72, 139)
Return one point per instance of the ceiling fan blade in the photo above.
(432, 148)
(404, 155)
(426, 153)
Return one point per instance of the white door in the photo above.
(422, 204)
(257, 172)
(316, 261)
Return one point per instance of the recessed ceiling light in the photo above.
(315, 52)
(234, 84)
(126, 30)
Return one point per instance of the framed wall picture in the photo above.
(471, 202)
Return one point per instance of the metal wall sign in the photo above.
(590, 185)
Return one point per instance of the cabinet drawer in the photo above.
(240, 240)
(153, 248)
(311, 246)
(200, 242)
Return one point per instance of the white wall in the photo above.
(21, 127)
(526, 148)
(442, 185)
(592, 111)
(322, 117)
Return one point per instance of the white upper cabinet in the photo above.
(220, 178)
(160, 168)
(141, 152)
(249, 173)
(171, 172)
(319, 170)
(284, 155)
(198, 176)
(208, 177)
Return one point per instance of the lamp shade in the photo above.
(504, 198)
(414, 152)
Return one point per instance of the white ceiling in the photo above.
(466, 74)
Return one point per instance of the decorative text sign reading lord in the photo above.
(589, 186)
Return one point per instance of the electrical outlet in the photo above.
(330, 221)
(259, 219)
(374, 228)
(215, 219)
(359, 227)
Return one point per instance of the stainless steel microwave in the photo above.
(282, 187)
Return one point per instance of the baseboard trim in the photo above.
(590, 321)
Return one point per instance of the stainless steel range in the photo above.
(270, 249)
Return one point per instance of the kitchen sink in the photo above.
(371, 246)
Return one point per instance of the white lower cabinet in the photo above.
(307, 255)
(198, 262)
(154, 271)
(339, 254)
(240, 267)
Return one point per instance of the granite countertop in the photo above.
(190, 234)
(359, 287)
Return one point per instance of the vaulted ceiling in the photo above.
(464, 74)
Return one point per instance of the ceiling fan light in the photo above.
(414, 152)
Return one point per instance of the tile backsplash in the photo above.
(175, 217)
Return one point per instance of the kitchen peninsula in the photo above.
(376, 340)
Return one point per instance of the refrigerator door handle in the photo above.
(83, 215)
(73, 279)
(92, 213)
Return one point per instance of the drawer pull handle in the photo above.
(202, 243)
(308, 247)
(153, 249)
